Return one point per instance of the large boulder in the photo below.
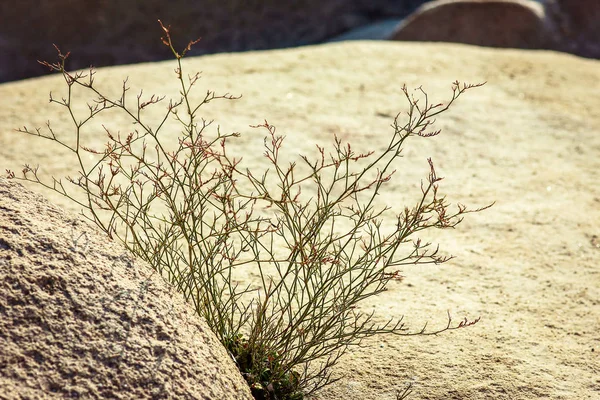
(112, 32)
(496, 23)
(79, 318)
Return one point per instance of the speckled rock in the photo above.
(79, 318)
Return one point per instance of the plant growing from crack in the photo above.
(311, 230)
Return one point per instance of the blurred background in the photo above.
(110, 32)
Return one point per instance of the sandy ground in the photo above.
(529, 140)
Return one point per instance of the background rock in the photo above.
(109, 32)
(81, 319)
(518, 24)
(571, 26)
(579, 23)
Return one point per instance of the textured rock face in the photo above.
(495, 23)
(112, 32)
(81, 319)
